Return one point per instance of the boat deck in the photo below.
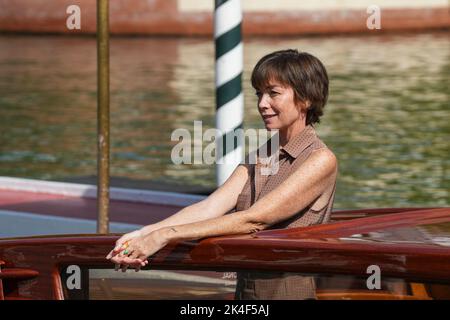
(83, 208)
(32, 207)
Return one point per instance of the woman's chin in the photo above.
(270, 126)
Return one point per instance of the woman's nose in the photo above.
(263, 102)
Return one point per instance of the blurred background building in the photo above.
(194, 17)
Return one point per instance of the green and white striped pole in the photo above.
(229, 97)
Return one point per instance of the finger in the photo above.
(134, 254)
(138, 264)
(137, 268)
(121, 263)
(117, 250)
(120, 246)
(130, 261)
(116, 267)
(115, 260)
(124, 267)
(143, 258)
(126, 253)
(117, 246)
(110, 254)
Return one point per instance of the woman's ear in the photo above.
(304, 106)
(307, 104)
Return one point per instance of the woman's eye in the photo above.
(258, 93)
(274, 93)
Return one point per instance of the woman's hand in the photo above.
(137, 251)
(121, 242)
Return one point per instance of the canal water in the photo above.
(387, 119)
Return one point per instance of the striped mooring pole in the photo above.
(229, 97)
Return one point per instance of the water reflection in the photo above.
(387, 117)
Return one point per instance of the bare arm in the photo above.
(304, 185)
(215, 205)
(307, 183)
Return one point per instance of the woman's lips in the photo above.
(268, 116)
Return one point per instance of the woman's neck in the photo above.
(293, 130)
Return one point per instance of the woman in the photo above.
(292, 90)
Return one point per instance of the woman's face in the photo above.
(277, 107)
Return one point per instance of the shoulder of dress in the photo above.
(318, 144)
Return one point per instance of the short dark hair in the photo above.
(303, 72)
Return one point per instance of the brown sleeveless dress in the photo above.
(262, 285)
